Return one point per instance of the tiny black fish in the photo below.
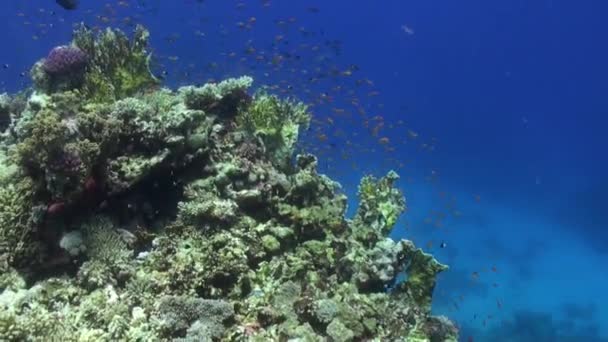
(68, 4)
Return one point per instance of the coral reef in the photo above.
(136, 214)
(104, 67)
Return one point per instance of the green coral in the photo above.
(375, 267)
(107, 251)
(125, 171)
(194, 263)
(194, 318)
(223, 99)
(270, 243)
(10, 329)
(203, 203)
(10, 279)
(103, 243)
(45, 136)
(16, 223)
(422, 270)
(277, 122)
(380, 204)
(159, 116)
(313, 203)
(118, 67)
(8, 169)
(54, 146)
(325, 310)
(339, 332)
(99, 316)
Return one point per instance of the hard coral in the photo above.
(224, 98)
(195, 318)
(63, 69)
(380, 204)
(16, 224)
(64, 60)
(277, 122)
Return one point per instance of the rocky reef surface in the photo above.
(131, 212)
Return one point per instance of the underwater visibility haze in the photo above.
(301, 170)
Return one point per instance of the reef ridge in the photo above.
(132, 212)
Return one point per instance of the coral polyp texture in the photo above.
(65, 60)
(130, 212)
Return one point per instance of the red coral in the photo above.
(55, 208)
(90, 185)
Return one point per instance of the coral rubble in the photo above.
(133, 213)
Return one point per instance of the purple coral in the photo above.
(64, 60)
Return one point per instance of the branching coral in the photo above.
(107, 252)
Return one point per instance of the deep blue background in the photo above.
(512, 95)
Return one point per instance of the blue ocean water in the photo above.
(493, 113)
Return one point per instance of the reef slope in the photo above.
(130, 212)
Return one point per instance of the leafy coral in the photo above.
(380, 204)
(181, 215)
(118, 67)
(277, 122)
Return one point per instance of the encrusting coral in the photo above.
(132, 213)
